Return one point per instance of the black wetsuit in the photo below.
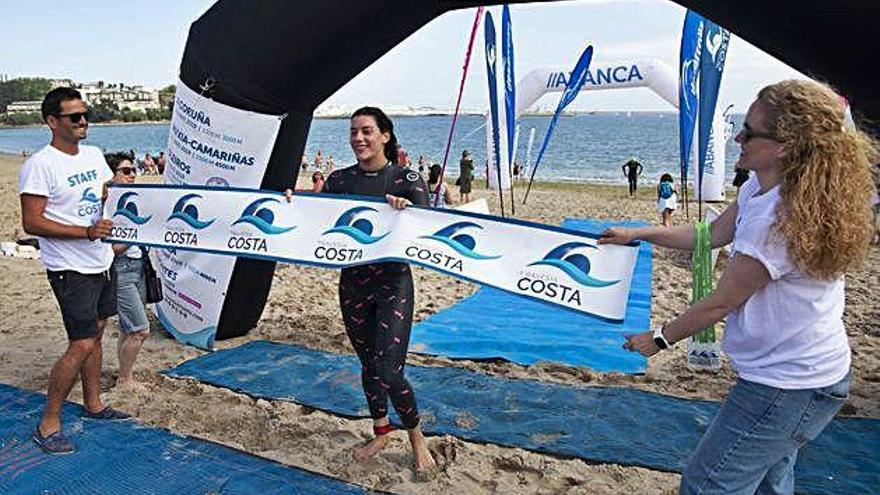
(377, 299)
(632, 169)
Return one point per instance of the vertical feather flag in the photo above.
(689, 70)
(575, 83)
(509, 93)
(712, 57)
(491, 74)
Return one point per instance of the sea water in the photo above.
(583, 148)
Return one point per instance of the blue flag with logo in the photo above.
(712, 56)
(689, 68)
(575, 83)
(493, 99)
(509, 81)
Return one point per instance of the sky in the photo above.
(142, 42)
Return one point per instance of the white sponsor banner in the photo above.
(713, 172)
(210, 144)
(552, 264)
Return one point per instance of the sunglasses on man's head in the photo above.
(126, 170)
(76, 117)
(749, 134)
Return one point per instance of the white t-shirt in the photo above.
(789, 334)
(134, 253)
(73, 186)
(441, 203)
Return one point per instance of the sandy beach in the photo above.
(303, 309)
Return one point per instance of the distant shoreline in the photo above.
(439, 113)
(585, 185)
(99, 124)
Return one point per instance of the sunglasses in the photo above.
(749, 134)
(126, 170)
(76, 117)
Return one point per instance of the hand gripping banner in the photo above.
(559, 266)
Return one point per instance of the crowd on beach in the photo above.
(439, 193)
(802, 219)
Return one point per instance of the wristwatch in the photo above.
(660, 339)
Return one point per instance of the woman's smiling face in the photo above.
(367, 141)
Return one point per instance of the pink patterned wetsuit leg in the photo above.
(377, 306)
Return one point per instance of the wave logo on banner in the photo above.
(126, 207)
(261, 217)
(359, 229)
(188, 213)
(576, 266)
(462, 243)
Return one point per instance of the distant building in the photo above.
(131, 97)
(24, 107)
(60, 83)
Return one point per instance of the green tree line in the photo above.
(34, 88)
(22, 89)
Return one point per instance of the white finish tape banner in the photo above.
(216, 145)
(559, 266)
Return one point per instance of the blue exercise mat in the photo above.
(128, 458)
(495, 324)
(610, 425)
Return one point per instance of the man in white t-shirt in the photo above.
(61, 188)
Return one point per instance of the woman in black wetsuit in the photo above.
(377, 299)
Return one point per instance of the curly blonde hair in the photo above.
(824, 213)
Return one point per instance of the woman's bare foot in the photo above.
(372, 448)
(422, 458)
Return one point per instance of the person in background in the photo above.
(465, 177)
(131, 288)
(319, 160)
(402, 157)
(149, 164)
(443, 197)
(667, 198)
(60, 190)
(330, 164)
(798, 225)
(632, 170)
(317, 181)
(160, 163)
(304, 163)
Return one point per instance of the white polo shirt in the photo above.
(789, 334)
(73, 185)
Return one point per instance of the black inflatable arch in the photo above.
(278, 56)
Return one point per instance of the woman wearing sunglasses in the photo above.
(131, 286)
(800, 222)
